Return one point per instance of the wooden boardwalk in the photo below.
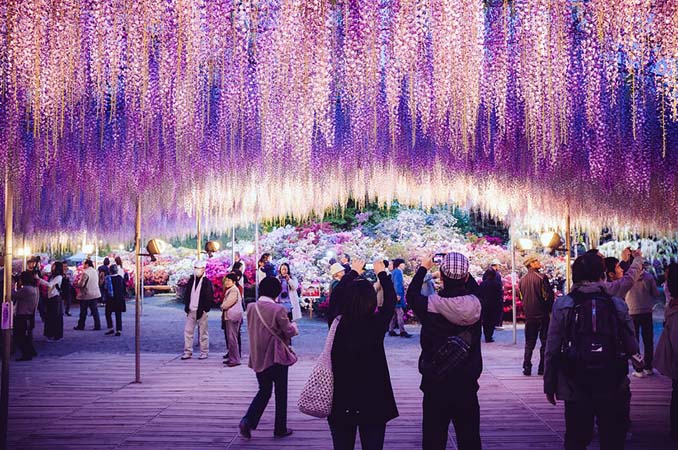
(87, 401)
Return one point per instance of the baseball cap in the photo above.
(495, 262)
(336, 268)
(454, 266)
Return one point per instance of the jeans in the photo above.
(398, 321)
(203, 332)
(535, 328)
(54, 319)
(462, 409)
(276, 374)
(23, 335)
(674, 409)
(92, 305)
(609, 413)
(371, 436)
(109, 318)
(232, 330)
(643, 324)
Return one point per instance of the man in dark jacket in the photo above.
(198, 300)
(537, 296)
(452, 395)
(491, 294)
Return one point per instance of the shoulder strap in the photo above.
(329, 341)
(270, 330)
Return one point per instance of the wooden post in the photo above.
(138, 294)
(233, 247)
(256, 259)
(199, 238)
(513, 286)
(6, 311)
(568, 256)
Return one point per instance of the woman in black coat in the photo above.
(363, 396)
(491, 295)
(116, 303)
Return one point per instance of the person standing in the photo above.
(198, 300)
(345, 261)
(620, 281)
(398, 318)
(590, 340)
(338, 290)
(377, 286)
(26, 302)
(641, 299)
(491, 294)
(666, 357)
(451, 392)
(67, 289)
(231, 317)
(54, 325)
(122, 272)
(537, 296)
(89, 295)
(363, 398)
(116, 300)
(289, 297)
(270, 332)
(104, 271)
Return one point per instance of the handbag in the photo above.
(290, 353)
(450, 355)
(316, 396)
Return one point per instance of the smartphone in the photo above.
(438, 257)
(369, 266)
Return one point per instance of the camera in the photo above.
(369, 266)
(438, 257)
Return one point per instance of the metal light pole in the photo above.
(513, 286)
(6, 311)
(568, 257)
(199, 239)
(233, 247)
(256, 259)
(138, 294)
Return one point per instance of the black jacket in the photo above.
(435, 329)
(206, 296)
(362, 384)
(491, 295)
(537, 295)
(338, 296)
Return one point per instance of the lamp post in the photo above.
(6, 311)
(256, 259)
(199, 238)
(233, 246)
(513, 286)
(568, 257)
(138, 293)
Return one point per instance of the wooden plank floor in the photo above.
(87, 401)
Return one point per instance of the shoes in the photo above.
(527, 372)
(285, 433)
(499, 328)
(392, 333)
(96, 328)
(540, 372)
(489, 341)
(202, 356)
(225, 356)
(109, 332)
(117, 333)
(24, 358)
(186, 356)
(648, 372)
(405, 334)
(245, 429)
(79, 329)
(230, 364)
(638, 374)
(68, 314)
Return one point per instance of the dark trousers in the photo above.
(371, 436)
(23, 336)
(224, 327)
(54, 318)
(674, 409)
(67, 303)
(608, 413)
(276, 374)
(92, 306)
(643, 324)
(109, 318)
(461, 409)
(535, 328)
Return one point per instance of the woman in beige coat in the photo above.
(666, 356)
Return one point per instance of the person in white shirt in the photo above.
(88, 295)
(54, 318)
(232, 318)
(198, 300)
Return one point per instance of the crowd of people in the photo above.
(587, 338)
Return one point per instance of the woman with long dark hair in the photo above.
(288, 296)
(363, 398)
(54, 316)
(666, 356)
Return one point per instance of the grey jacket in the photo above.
(619, 288)
(642, 296)
(556, 380)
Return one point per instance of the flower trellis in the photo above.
(246, 108)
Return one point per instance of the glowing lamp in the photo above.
(525, 244)
(155, 247)
(550, 239)
(212, 247)
(88, 249)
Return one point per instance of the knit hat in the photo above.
(454, 266)
(530, 259)
(336, 268)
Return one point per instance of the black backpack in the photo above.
(593, 352)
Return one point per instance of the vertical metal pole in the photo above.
(199, 238)
(138, 293)
(513, 286)
(256, 258)
(6, 311)
(233, 246)
(23, 250)
(568, 257)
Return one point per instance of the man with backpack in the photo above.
(590, 341)
(450, 362)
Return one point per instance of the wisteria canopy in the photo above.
(244, 109)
